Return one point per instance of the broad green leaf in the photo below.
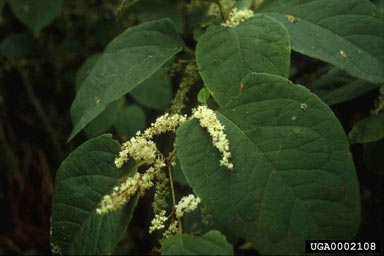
(105, 120)
(336, 86)
(211, 243)
(178, 175)
(226, 55)
(129, 59)
(36, 14)
(369, 129)
(130, 120)
(243, 4)
(149, 10)
(201, 221)
(293, 176)
(203, 95)
(82, 180)
(346, 33)
(155, 92)
(379, 4)
(17, 45)
(85, 69)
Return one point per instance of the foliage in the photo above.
(206, 99)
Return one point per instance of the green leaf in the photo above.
(293, 176)
(129, 59)
(105, 120)
(226, 55)
(17, 45)
(178, 175)
(369, 129)
(36, 14)
(336, 86)
(379, 4)
(201, 221)
(149, 10)
(82, 180)
(203, 95)
(85, 69)
(130, 120)
(243, 4)
(211, 243)
(155, 92)
(346, 33)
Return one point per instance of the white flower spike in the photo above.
(209, 120)
(236, 17)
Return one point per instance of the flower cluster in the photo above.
(379, 103)
(121, 194)
(191, 76)
(139, 148)
(161, 193)
(165, 123)
(172, 229)
(143, 150)
(186, 204)
(158, 222)
(209, 120)
(236, 17)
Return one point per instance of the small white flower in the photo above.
(186, 204)
(236, 17)
(209, 120)
(172, 229)
(158, 222)
(142, 148)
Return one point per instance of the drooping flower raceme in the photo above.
(209, 120)
(158, 222)
(172, 229)
(191, 76)
(120, 195)
(186, 204)
(141, 147)
(143, 150)
(236, 17)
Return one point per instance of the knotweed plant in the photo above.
(144, 151)
(233, 152)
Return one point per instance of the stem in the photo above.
(221, 10)
(189, 50)
(170, 156)
(138, 165)
(173, 196)
(172, 188)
